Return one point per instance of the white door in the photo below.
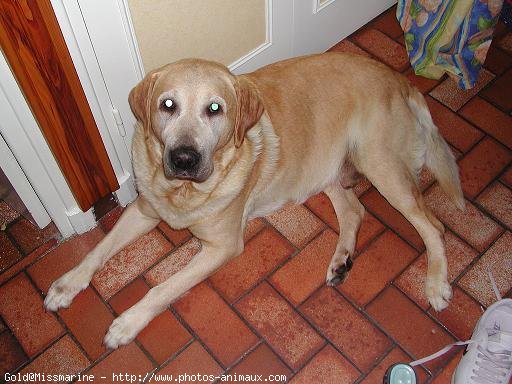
(319, 24)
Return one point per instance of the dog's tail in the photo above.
(438, 157)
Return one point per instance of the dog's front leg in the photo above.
(211, 257)
(136, 220)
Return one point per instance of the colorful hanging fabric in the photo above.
(450, 36)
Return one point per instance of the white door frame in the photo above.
(25, 140)
(20, 183)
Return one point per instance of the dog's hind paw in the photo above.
(439, 293)
(337, 273)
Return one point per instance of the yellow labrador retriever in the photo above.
(214, 150)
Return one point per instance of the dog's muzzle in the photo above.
(183, 162)
(184, 159)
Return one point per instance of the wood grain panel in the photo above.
(34, 46)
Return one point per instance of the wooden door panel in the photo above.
(33, 45)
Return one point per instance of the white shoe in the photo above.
(488, 356)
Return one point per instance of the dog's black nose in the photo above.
(184, 158)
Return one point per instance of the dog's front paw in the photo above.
(63, 290)
(124, 329)
(439, 293)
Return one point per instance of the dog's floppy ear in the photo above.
(249, 108)
(140, 99)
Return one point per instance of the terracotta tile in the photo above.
(387, 23)
(130, 262)
(505, 42)
(497, 199)
(300, 276)
(497, 260)
(108, 221)
(88, 318)
(497, 61)
(461, 316)
(328, 366)
(27, 260)
(21, 307)
(445, 376)
(262, 255)
(126, 360)
(471, 224)
(500, 29)
(223, 332)
(177, 237)
(401, 40)
(455, 130)
(296, 223)
(383, 47)
(424, 84)
(481, 165)
(407, 324)
(261, 361)
(322, 207)
(9, 254)
(396, 355)
(425, 179)
(369, 230)
(412, 280)
(348, 47)
(62, 358)
(105, 205)
(379, 206)
(253, 227)
(498, 92)
(490, 119)
(11, 353)
(163, 336)
(63, 258)
(283, 329)
(192, 361)
(346, 328)
(453, 97)
(128, 296)
(507, 177)
(7, 213)
(376, 266)
(173, 263)
(29, 237)
(361, 187)
(12, 198)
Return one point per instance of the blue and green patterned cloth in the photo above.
(451, 36)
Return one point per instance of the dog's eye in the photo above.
(168, 104)
(214, 108)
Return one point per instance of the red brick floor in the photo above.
(269, 311)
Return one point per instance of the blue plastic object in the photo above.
(400, 374)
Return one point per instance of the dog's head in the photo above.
(195, 108)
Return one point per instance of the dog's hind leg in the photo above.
(349, 212)
(396, 183)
